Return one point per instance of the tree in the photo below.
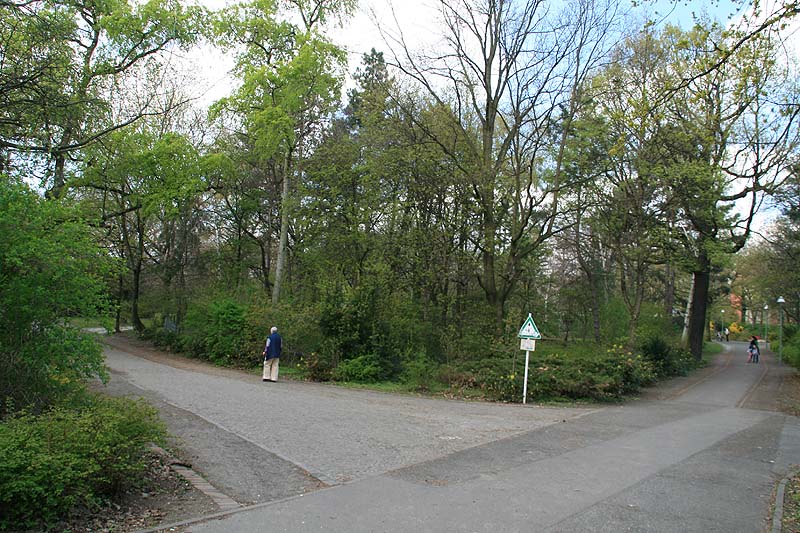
(63, 63)
(734, 131)
(290, 80)
(51, 270)
(145, 182)
(507, 81)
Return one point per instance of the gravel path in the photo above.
(334, 435)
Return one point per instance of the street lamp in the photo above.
(764, 322)
(722, 323)
(781, 301)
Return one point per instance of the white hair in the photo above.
(273, 329)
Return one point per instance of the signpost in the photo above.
(528, 334)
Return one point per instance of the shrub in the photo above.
(317, 366)
(50, 366)
(218, 331)
(585, 374)
(668, 360)
(64, 458)
(419, 373)
(361, 369)
(164, 339)
(791, 345)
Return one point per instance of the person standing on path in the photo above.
(753, 349)
(272, 355)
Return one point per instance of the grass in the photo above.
(791, 506)
(712, 348)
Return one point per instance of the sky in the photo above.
(418, 21)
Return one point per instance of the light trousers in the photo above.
(271, 369)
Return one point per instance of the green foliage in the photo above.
(50, 269)
(63, 60)
(658, 343)
(667, 359)
(586, 372)
(614, 319)
(361, 369)
(70, 457)
(420, 373)
(791, 345)
(218, 331)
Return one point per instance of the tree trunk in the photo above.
(284, 239)
(135, 320)
(669, 292)
(595, 308)
(687, 315)
(59, 176)
(697, 317)
(118, 317)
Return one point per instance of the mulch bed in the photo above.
(160, 497)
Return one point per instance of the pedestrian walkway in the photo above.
(698, 460)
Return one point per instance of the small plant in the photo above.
(66, 458)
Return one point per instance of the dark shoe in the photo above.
(264, 379)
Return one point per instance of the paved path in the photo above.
(697, 454)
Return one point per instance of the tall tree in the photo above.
(58, 91)
(291, 77)
(734, 130)
(145, 182)
(507, 73)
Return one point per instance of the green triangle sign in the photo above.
(529, 329)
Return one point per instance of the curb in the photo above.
(223, 501)
(777, 516)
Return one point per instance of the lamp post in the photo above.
(764, 322)
(722, 324)
(781, 301)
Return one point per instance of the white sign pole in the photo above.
(525, 383)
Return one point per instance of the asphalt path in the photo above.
(696, 454)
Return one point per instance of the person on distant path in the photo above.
(753, 350)
(272, 355)
(727, 335)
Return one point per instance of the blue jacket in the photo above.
(273, 347)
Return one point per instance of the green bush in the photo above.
(70, 457)
(586, 374)
(218, 332)
(419, 373)
(791, 345)
(317, 366)
(668, 360)
(361, 369)
(164, 339)
(51, 365)
(599, 377)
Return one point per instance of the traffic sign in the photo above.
(529, 329)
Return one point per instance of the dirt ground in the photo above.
(161, 497)
(790, 404)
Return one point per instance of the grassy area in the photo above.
(791, 506)
(711, 349)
